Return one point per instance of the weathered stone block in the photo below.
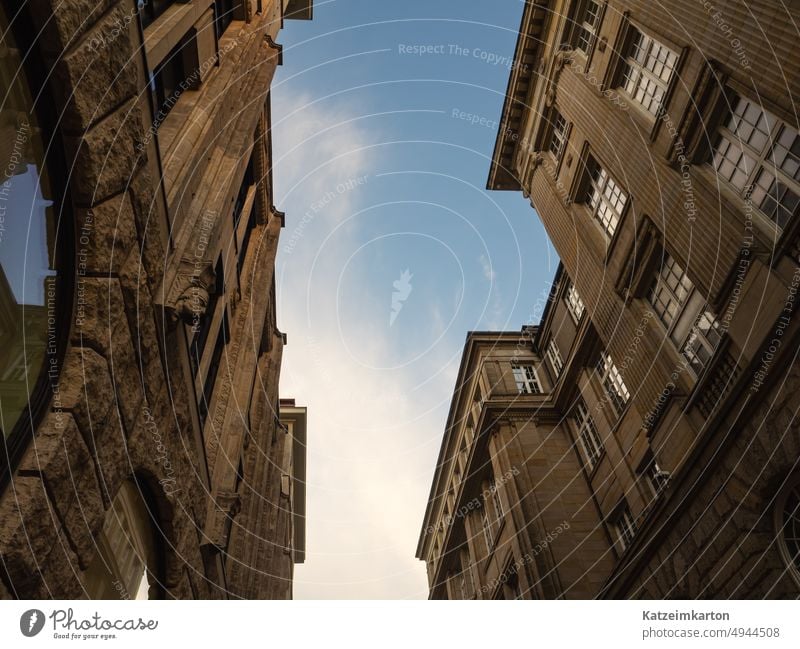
(59, 453)
(100, 71)
(29, 528)
(63, 23)
(103, 326)
(88, 393)
(151, 225)
(104, 159)
(61, 575)
(106, 235)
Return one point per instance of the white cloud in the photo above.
(371, 435)
(488, 271)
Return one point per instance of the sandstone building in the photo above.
(145, 451)
(641, 441)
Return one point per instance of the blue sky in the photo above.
(380, 171)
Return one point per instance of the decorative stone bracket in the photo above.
(188, 296)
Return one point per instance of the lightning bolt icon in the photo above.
(32, 621)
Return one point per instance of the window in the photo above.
(487, 527)
(213, 368)
(175, 74)
(702, 341)
(467, 584)
(605, 197)
(759, 156)
(509, 583)
(574, 303)
(149, 10)
(558, 135)
(657, 478)
(126, 561)
(691, 325)
(586, 22)
(624, 526)
(526, 379)
(223, 15)
(588, 436)
(554, 356)
(201, 322)
(788, 523)
(613, 385)
(670, 291)
(497, 504)
(242, 239)
(649, 66)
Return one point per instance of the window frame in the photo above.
(587, 435)
(222, 17)
(661, 286)
(578, 25)
(557, 134)
(593, 195)
(526, 384)
(762, 159)
(624, 525)
(611, 378)
(657, 478)
(497, 504)
(554, 358)
(575, 304)
(694, 306)
(633, 72)
(178, 61)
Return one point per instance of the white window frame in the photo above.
(554, 357)
(625, 527)
(606, 199)
(752, 155)
(613, 384)
(657, 478)
(589, 438)
(467, 580)
(670, 291)
(585, 25)
(496, 502)
(526, 378)
(648, 70)
(557, 142)
(487, 527)
(575, 304)
(702, 341)
(688, 320)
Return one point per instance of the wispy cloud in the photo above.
(488, 270)
(370, 433)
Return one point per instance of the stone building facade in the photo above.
(659, 146)
(143, 452)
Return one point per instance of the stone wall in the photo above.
(128, 408)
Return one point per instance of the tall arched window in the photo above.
(787, 520)
(32, 302)
(126, 563)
